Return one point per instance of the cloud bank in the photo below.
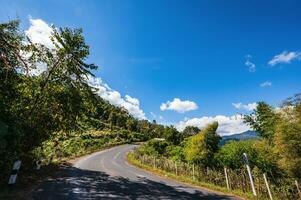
(114, 97)
(227, 124)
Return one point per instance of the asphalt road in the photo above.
(107, 175)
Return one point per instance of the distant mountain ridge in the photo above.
(240, 136)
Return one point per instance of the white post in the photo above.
(268, 187)
(14, 175)
(250, 173)
(298, 188)
(226, 176)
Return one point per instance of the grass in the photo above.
(187, 179)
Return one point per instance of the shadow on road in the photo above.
(83, 184)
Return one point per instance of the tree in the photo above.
(200, 148)
(263, 120)
(288, 140)
(172, 135)
(190, 130)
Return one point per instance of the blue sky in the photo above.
(210, 53)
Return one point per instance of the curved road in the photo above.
(107, 175)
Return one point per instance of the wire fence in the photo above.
(237, 179)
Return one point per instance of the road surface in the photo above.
(107, 175)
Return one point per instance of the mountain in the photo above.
(240, 136)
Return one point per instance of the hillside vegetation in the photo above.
(55, 115)
(197, 156)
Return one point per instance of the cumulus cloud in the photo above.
(114, 97)
(249, 64)
(266, 84)
(248, 107)
(227, 124)
(39, 32)
(285, 58)
(179, 106)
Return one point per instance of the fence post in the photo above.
(298, 188)
(268, 187)
(14, 174)
(226, 176)
(249, 173)
(176, 167)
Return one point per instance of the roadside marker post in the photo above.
(246, 161)
(14, 174)
(267, 185)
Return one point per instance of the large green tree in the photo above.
(263, 120)
(288, 140)
(200, 148)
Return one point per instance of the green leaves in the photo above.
(200, 148)
(263, 120)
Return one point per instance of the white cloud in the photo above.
(285, 57)
(266, 84)
(249, 106)
(249, 64)
(227, 124)
(39, 32)
(179, 105)
(114, 97)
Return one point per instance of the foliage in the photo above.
(288, 141)
(57, 107)
(263, 120)
(231, 154)
(279, 151)
(190, 130)
(172, 135)
(200, 148)
(63, 146)
(153, 147)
